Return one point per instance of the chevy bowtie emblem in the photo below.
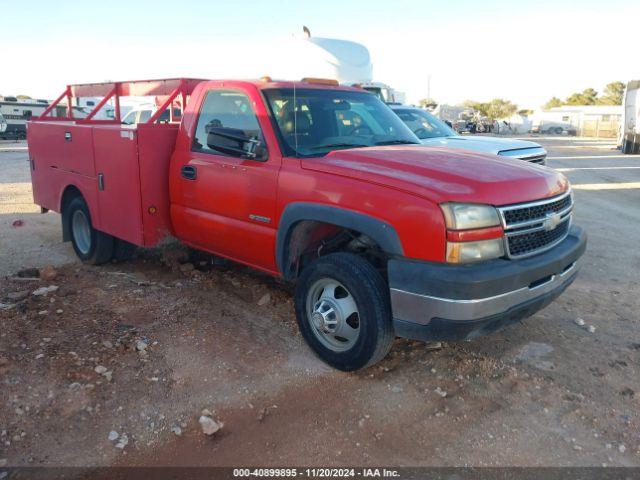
(551, 221)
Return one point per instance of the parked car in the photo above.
(143, 113)
(434, 132)
(325, 187)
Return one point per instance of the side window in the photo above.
(144, 116)
(227, 125)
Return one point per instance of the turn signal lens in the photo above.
(465, 216)
(466, 252)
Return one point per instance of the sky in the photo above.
(523, 51)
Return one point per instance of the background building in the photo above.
(586, 120)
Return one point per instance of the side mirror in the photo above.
(234, 141)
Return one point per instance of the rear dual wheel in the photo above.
(93, 246)
(343, 311)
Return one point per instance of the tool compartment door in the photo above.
(155, 146)
(60, 154)
(118, 175)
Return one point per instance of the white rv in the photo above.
(3, 125)
(17, 112)
(87, 104)
(629, 138)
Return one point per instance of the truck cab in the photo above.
(323, 186)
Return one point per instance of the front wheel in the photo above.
(91, 245)
(343, 311)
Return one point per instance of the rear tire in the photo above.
(344, 312)
(123, 250)
(91, 246)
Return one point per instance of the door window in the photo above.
(227, 125)
(144, 116)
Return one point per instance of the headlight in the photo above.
(474, 232)
(465, 216)
(465, 252)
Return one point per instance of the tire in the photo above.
(123, 250)
(91, 246)
(627, 147)
(366, 337)
(557, 131)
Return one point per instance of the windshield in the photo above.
(326, 120)
(423, 124)
(130, 118)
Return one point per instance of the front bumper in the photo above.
(438, 301)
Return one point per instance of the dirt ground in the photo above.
(115, 366)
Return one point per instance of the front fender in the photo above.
(378, 230)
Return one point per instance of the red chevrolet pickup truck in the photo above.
(323, 186)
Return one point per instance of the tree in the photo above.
(587, 97)
(499, 109)
(478, 108)
(613, 94)
(552, 103)
(428, 103)
(525, 112)
(23, 97)
(495, 109)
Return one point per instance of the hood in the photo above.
(444, 174)
(491, 145)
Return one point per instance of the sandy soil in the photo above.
(223, 338)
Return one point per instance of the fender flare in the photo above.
(66, 234)
(380, 231)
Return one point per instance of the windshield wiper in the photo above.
(396, 142)
(339, 145)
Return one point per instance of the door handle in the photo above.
(189, 172)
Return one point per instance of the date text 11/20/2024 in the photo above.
(316, 472)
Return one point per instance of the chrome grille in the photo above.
(534, 227)
(539, 159)
(532, 242)
(533, 155)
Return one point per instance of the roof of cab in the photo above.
(268, 83)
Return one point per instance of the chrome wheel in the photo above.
(333, 315)
(81, 230)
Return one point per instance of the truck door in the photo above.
(224, 194)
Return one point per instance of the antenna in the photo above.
(295, 119)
